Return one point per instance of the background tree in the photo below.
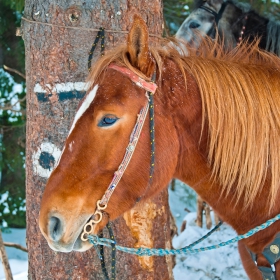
(56, 66)
(12, 118)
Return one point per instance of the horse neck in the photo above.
(192, 164)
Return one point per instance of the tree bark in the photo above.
(58, 55)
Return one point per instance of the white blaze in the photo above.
(88, 100)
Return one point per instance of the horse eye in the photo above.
(194, 25)
(107, 121)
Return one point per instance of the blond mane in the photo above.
(240, 91)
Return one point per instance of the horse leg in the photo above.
(201, 206)
(199, 213)
(208, 216)
(217, 219)
(248, 263)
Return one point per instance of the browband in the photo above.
(148, 86)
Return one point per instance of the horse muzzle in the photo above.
(65, 236)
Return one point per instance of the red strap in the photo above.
(149, 86)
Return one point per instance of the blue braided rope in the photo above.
(94, 239)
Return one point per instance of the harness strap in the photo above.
(218, 15)
(101, 204)
(152, 130)
(102, 258)
(100, 251)
(150, 88)
(272, 254)
(266, 272)
(113, 254)
(100, 34)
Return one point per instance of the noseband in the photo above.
(150, 88)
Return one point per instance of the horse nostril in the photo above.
(55, 228)
(194, 25)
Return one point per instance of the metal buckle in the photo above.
(88, 228)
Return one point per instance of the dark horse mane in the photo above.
(240, 102)
(257, 26)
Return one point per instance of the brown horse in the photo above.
(217, 128)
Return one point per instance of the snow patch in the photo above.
(221, 264)
(18, 259)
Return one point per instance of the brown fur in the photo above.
(217, 126)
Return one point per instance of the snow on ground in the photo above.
(223, 263)
(220, 264)
(17, 258)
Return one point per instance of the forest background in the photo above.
(13, 105)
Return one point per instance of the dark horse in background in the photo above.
(217, 128)
(234, 22)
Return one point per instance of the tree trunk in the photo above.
(56, 64)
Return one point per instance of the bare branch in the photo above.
(17, 246)
(10, 107)
(5, 261)
(14, 71)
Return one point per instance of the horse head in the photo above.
(214, 18)
(96, 145)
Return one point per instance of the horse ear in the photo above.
(138, 47)
(216, 4)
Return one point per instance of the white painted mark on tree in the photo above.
(45, 159)
(48, 156)
(62, 87)
(86, 103)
